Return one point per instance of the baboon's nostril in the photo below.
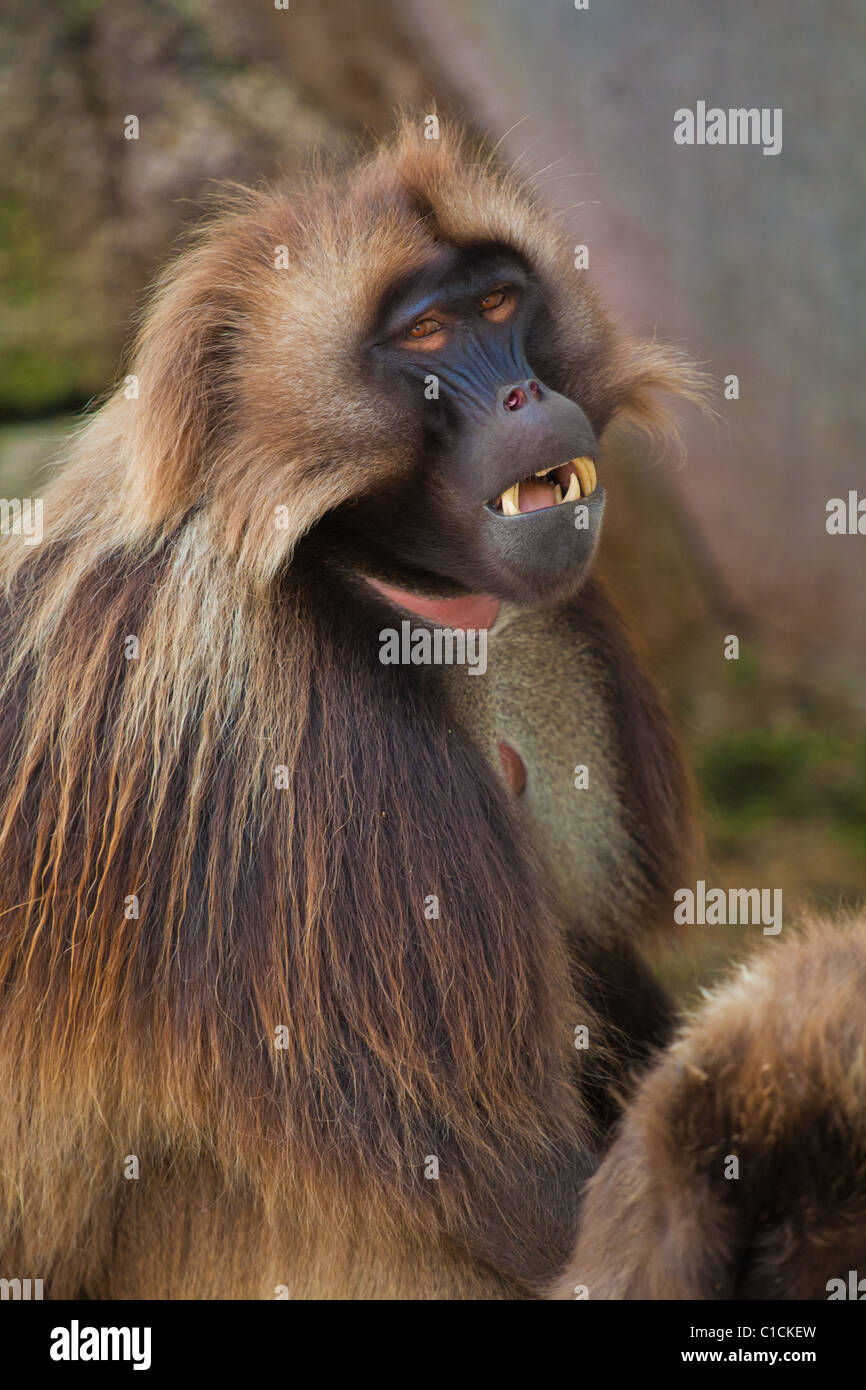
(515, 399)
(535, 389)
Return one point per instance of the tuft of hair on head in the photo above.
(650, 380)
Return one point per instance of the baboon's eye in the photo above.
(498, 304)
(424, 328)
(427, 334)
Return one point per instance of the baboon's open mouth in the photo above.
(562, 482)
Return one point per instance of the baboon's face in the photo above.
(503, 496)
(397, 369)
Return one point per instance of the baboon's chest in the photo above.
(540, 715)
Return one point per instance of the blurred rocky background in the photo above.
(754, 263)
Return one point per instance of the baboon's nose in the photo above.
(514, 397)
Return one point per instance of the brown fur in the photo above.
(771, 1070)
(259, 906)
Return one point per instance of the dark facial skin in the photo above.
(470, 320)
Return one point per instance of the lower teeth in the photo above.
(581, 484)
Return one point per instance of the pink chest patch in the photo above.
(475, 610)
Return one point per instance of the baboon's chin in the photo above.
(545, 555)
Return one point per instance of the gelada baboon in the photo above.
(297, 941)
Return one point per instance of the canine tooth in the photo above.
(586, 473)
(557, 495)
(509, 501)
(573, 489)
(594, 474)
